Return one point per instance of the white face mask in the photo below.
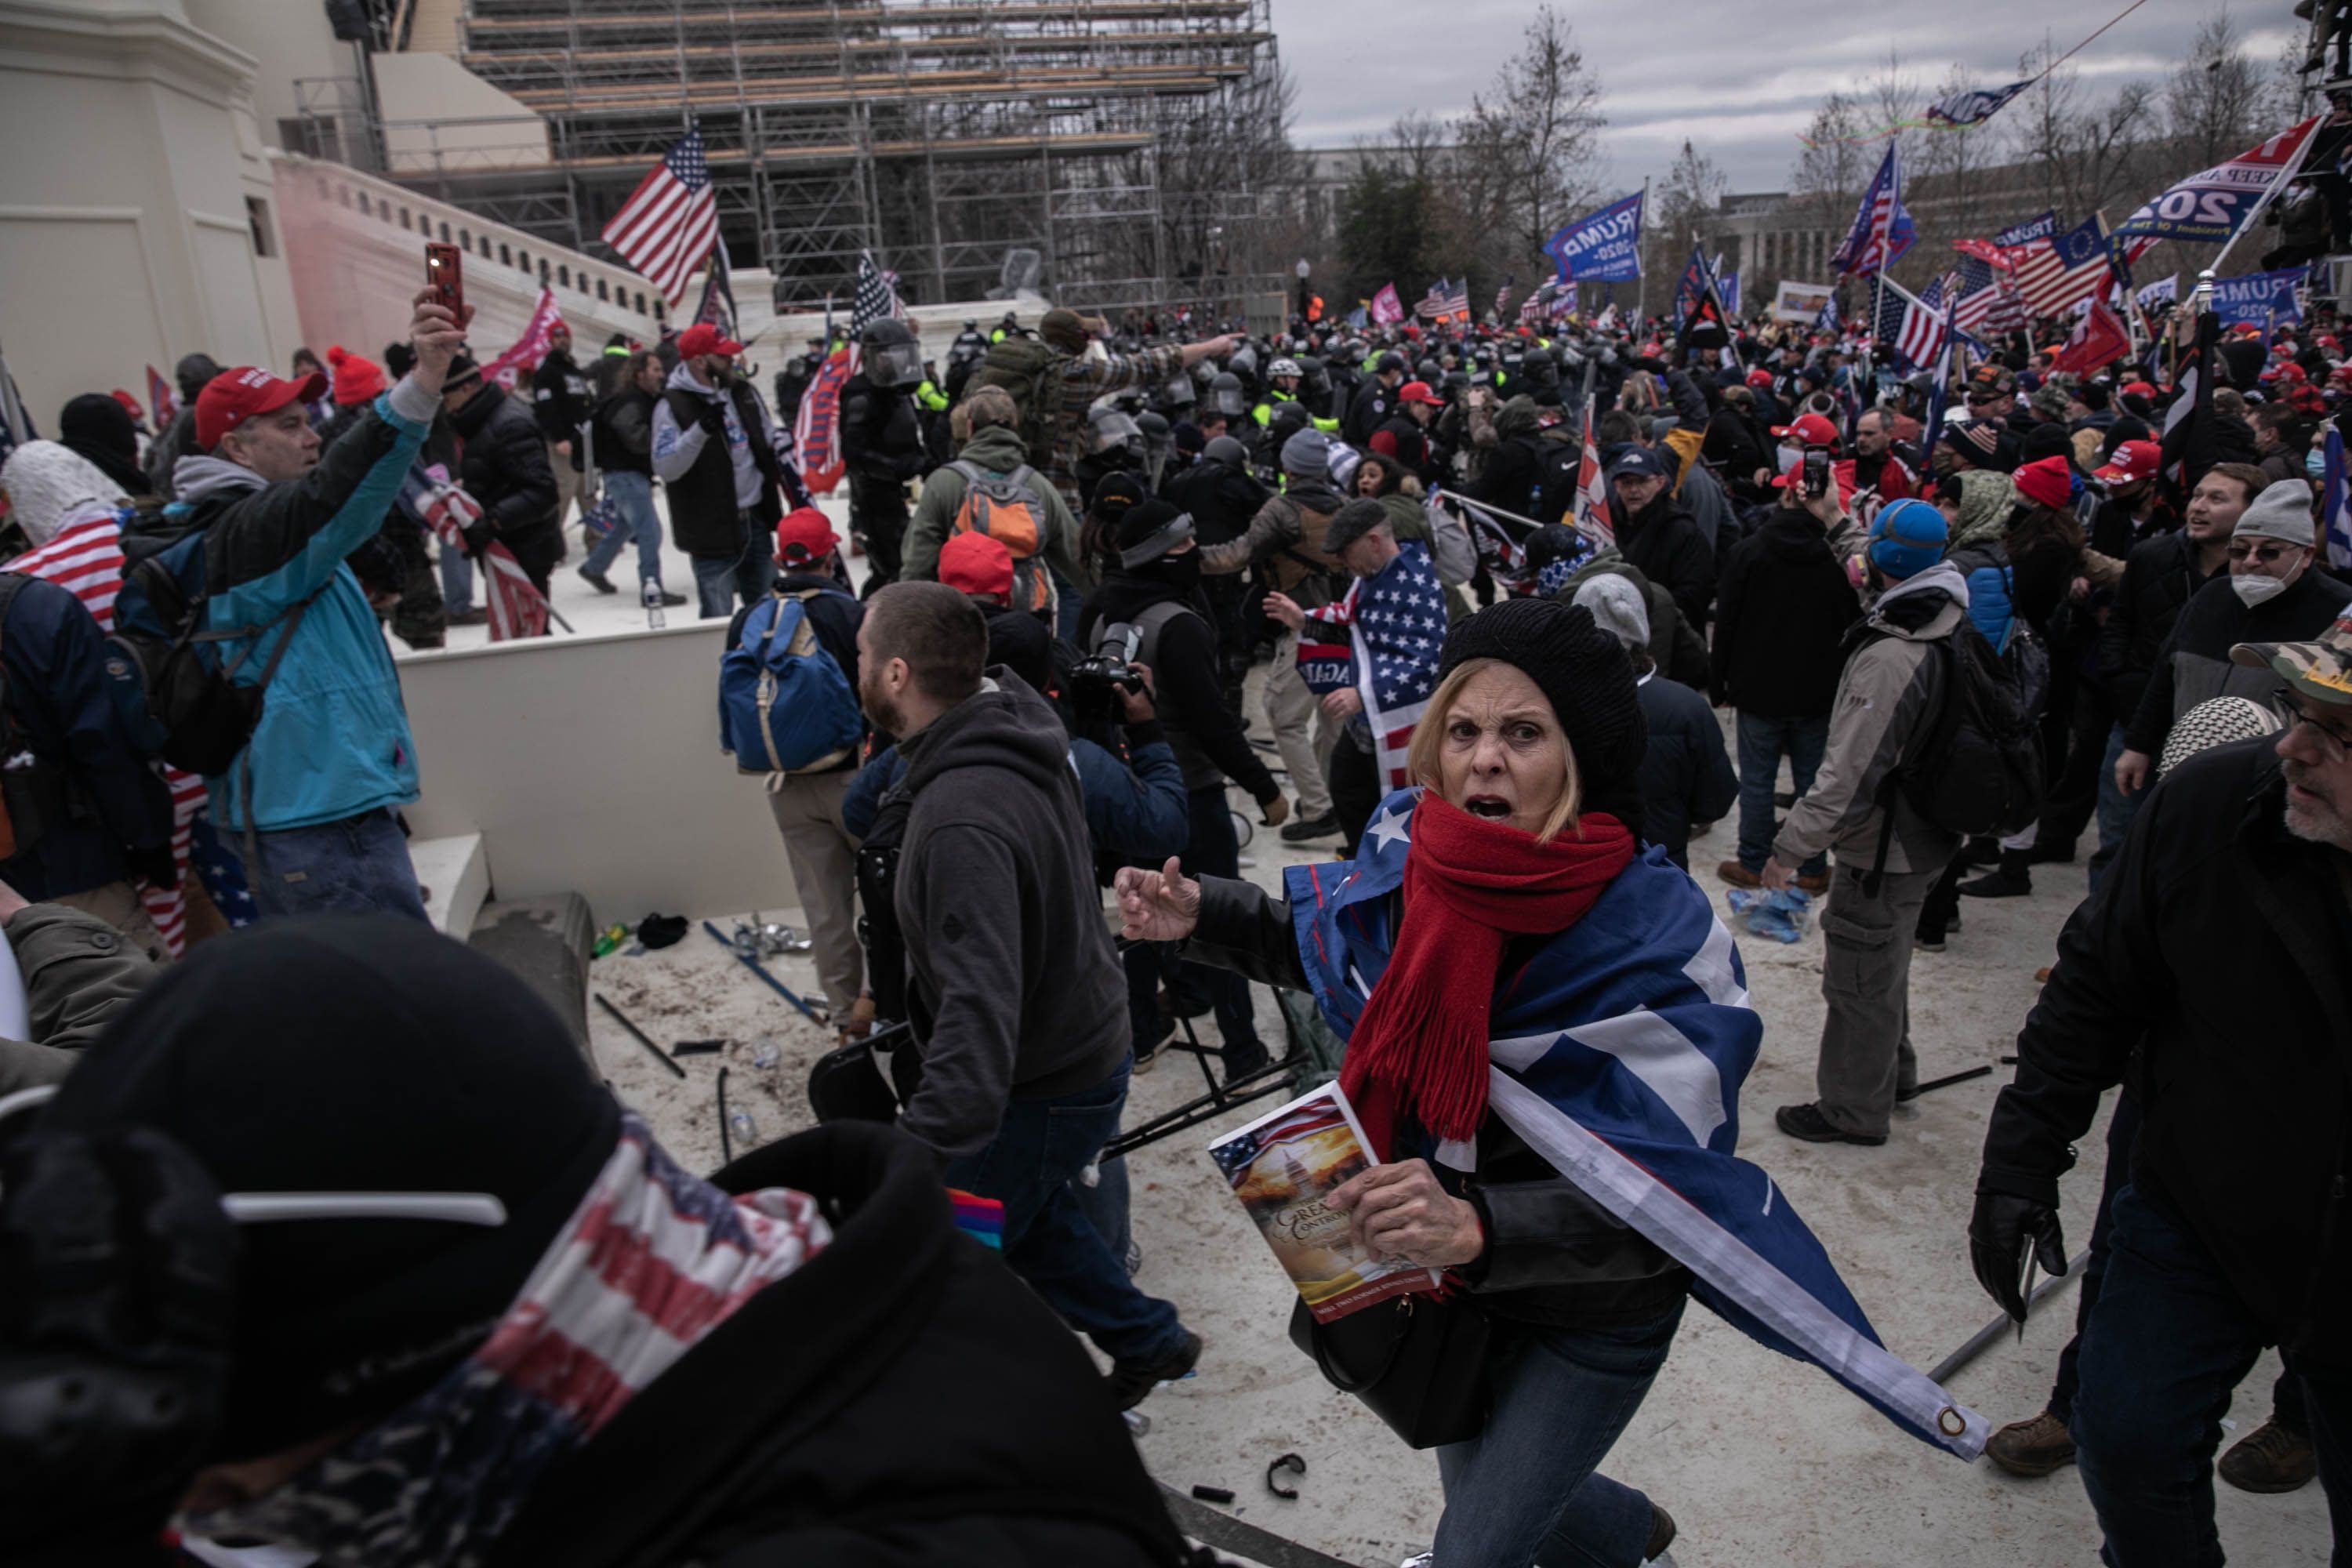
(2253, 588)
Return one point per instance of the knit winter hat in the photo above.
(1307, 456)
(356, 379)
(2048, 482)
(1352, 522)
(45, 484)
(1148, 531)
(1906, 537)
(1114, 493)
(2281, 512)
(360, 1054)
(1616, 607)
(1585, 674)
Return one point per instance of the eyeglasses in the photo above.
(2334, 743)
(1978, 399)
(2266, 553)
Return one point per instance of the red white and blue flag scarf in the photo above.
(1397, 628)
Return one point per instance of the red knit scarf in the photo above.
(1420, 1047)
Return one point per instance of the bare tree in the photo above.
(2083, 158)
(2214, 102)
(1686, 209)
(1529, 149)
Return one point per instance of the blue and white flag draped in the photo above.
(1618, 1054)
(2336, 504)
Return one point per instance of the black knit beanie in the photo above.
(1114, 494)
(1589, 681)
(354, 1054)
(1141, 521)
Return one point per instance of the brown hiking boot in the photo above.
(2270, 1459)
(1662, 1534)
(1738, 876)
(1817, 883)
(2032, 1447)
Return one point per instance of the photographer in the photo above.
(1154, 592)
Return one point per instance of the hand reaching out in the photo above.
(1156, 906)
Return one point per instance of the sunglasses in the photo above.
(1980, 399)
(2266, 553)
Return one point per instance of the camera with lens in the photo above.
(1111, 666)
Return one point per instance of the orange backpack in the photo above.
(1005, 509)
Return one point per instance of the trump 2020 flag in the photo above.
(1617, 1051)
(2213, 204)
(1396, 623)
(1602, 247)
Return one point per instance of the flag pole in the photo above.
(2293, 167)
(1641, 272)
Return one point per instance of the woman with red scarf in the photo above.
(1526, 814)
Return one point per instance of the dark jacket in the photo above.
(560, 401)
(1370, 406)
(2216, 948)
(97, 796)
(1687, 776)
(933, 1414)
(1663, 541)
(2160, 576)
(79, 973)
(1191, 701)
(505, 468)
(624, 429)
(1552, 1255)
(706, 506)
(1012, 985)
(834, 614)
(1781, 612)
(1221, 497)
(881, 438)
(1135, 808)
(2194, 664)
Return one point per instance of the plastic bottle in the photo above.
(764, 1054)
(652, 599)
(743, 1130)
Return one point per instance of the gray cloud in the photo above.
(1739, 80)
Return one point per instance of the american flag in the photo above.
(670, 221)
(1502, 297)
(1398, 624)
(1882, 229)
(516, 606)
(876, 300)
(1592, 517)
(2053, 273)
(1913, 324)
(1531, 309)
(1988, 299)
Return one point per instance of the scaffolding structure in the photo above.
(939, 135)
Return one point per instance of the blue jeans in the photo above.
(457, 580)
(2116, 809)
(717, 579)
(357, 865)
(2123, 1132)
(1762, 744)
(633, 497)
(1039, 1150)
(1528, 1489)
(2167, 1343)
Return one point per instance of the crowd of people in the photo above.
(1537, 605)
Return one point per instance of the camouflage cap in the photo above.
(2321, 670)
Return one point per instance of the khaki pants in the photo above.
(117, 903)
(807, 808)
(570, 486)
(1291, 708)
(1866, 980)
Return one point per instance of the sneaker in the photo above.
(469, 617)
(1662, 1534)
(1240, 1064)
(2007, 882)
(672, 600)
(1807, 1122)
(1129, 1381)
(2032, 1447)
(2050, 854)
(598, 581)
(1307, 829)
(1922, 943)
(1817, 883)
(1739, 876)
(2270, 1459)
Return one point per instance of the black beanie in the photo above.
(354, 1054)
(2047, 439)
(1139, 521)
(1589, 679)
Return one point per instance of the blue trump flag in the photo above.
(1602, 247)
(1618, 1053)
(2258, 298)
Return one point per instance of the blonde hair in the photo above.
(1429, 740)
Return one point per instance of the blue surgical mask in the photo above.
(2315, 463)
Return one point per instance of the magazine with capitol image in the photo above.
(1283, 1167)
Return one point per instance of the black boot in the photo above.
(2013, 878)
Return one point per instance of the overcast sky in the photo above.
(1738, 80)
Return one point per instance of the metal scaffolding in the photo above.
(941, 135)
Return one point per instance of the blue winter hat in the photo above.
(1906, 537)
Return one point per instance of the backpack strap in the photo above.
(1890, 788)
(292, 621)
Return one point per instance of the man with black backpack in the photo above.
(1890, 697)
(802, 728)
(287, 700)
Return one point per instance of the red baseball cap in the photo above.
(1811, 429)
(803, 537)
(130, 404)
(234, 397)
(1759, 378)
(702, 338)
(975, 563)
(2138, 389)
(2133, 461)
(1418, 391)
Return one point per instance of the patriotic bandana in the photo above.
(653, 1260)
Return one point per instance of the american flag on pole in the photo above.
(876, 301)
(1617, 1051)
(1882, 229)
(1531, 309)
(1912, 325)
(516, 607)
(1986, 296)
(670, 221)
(2055, 272)
(1503, 297)
(1397, 622)
(1592, 517)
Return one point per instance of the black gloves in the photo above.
(714, 418)
(153, 866)
(1999, 1233)
(478, 538)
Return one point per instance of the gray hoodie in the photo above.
(1014, 989)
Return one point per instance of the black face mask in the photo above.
(1181, 572)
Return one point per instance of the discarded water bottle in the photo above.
(652, 599)
(743, 1130)
(764, 1054)
(1137, 1423)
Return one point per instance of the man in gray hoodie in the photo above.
(1016, 996)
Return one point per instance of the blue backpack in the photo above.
(784, 706)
